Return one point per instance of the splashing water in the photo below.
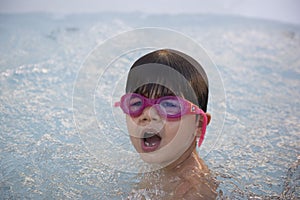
(42, 155)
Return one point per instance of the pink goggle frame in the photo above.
(169, 107)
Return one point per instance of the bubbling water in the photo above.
(42, 155)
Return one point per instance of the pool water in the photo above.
(42, 155)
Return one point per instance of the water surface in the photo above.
(42, 155)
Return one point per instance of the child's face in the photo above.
(158, 140)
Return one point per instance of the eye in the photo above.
(169, 104)
(135, 103)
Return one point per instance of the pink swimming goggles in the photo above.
(169, 107)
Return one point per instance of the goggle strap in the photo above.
(204, 123)
(117, 104)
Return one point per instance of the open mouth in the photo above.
(150, 141)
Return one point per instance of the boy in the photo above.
(165, 106)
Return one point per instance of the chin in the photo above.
(152, 158)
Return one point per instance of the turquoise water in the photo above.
(42, 156)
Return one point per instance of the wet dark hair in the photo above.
(193, 85)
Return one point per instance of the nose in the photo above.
(149, 114)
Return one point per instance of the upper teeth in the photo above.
(148, 134)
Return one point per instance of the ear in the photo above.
(199, 123)
(208, 115)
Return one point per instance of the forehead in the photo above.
(155, 80)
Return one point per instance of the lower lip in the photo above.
(148, 149)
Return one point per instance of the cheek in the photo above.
(171, 129)
(129, 122)
(136, 142)
(131, 126)
(185, 127)
(188, 125)
(132, 131)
